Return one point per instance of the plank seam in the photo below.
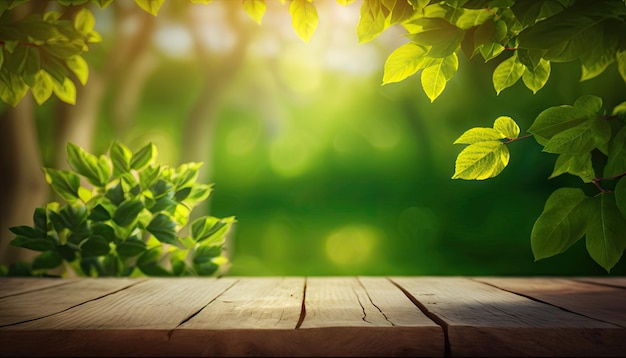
(547, 303)
(171, 331)
(303, 307)
(373, 304)
(438, 320)
(76, 305)
(39, 289)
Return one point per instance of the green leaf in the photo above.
(130, 247)
(255, 9)
(371, 21)
(561, 223)
(64, 183)
(210, 230)
(442, 37)
(559, 29)
(199, 193)
(507, 127)
(28, 232)
(35, 244)
(583, 138)
(605, 232)
(143, 157)
(575, 164)
(102, 212)
(148, 263)
(150, 6)
(620, 57)
(403, 62)
(163, 228)
(84, 21)
(620, 196)
(65, 91)
(507, 73)
(47, 260)
(616, 161)
(148, 176)
(304, 18)
(120, 157)
(557, 119)
(96, 245)
(104, 230)
(127, 212)
(536, 78)
(43, 87)
(79, 67)
(481, 160)
(87, 165)
(479, 134)
(115, 194)
(435, 76)
(186, 174)
(203, 258)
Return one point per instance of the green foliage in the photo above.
(127, 222)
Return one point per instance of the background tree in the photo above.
(43, 53)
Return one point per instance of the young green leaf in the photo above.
(64, 183)
(79, 67)
(481, 160)
(435, 76)
(120, 157)
(87, 165)
(479, 134)
(65, 91)
(255, 9)
(620, 57)
(42, 89)
(127, 212)
(403, 62)
(507, 127)
(210, 230)
(605, 232)
(507, 73)
(304, 18)
(84, 21)
(150, 6)
(143, 157)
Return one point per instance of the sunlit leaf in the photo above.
(593, 133)
(65, 183)
(120, 157)
(304, 18)
(403, 62)
(371, 21)
(621, 63)
(442, 37)
(150, 6)
(557, 119)
(65, 91)
(163, 228)
(84, 21)
(481, 160)
(87, 165)
(507, 73)
(43, 87)
(506, 126)
(127, 212)
(479, 134)
(143, 157)
(435, 76)
(536, 78)
(605, 232)
(79, 67)
(255, 9)
(561, 223)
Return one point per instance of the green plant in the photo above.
(122, 216)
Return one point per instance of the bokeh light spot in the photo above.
(351, 245)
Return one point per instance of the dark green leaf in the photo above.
(443, 37)
(111, 265)
(583, 138)
(161, 188)
(95, 246)
(104, 230)
(68, 252)
(28, 232)
(561, 223)
(605, 232)
(143, 157)
(164, 203)
(616, 161)
(40, 220)
(127, 212)
(36, 244)
(64, 183)
(620, 196)
(120, 157)
(130, 247)
(575, 164)
(100, 213)
(163, 228)
(47, 260)
(87, 165)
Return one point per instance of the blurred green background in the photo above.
(327, 171)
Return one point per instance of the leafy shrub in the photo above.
(122, 216)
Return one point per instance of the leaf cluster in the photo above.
(122, 215)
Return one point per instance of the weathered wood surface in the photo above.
(313, 316)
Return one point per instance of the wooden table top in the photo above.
(313, 316)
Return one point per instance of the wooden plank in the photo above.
(37, 304)
(135, 321)
(482, 320)
(596, 301)
(258, 317)
(11, 286)
(609, 281)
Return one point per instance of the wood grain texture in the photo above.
(596, 301)
(482, 320)
(37, 304)
(10, 286)
(608, 281)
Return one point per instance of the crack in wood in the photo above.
(373, 304)
(364, 318)
(438, 320)
(547, 303)
(171, 331)
(303, 307)
(60, 283)
(76, 305)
